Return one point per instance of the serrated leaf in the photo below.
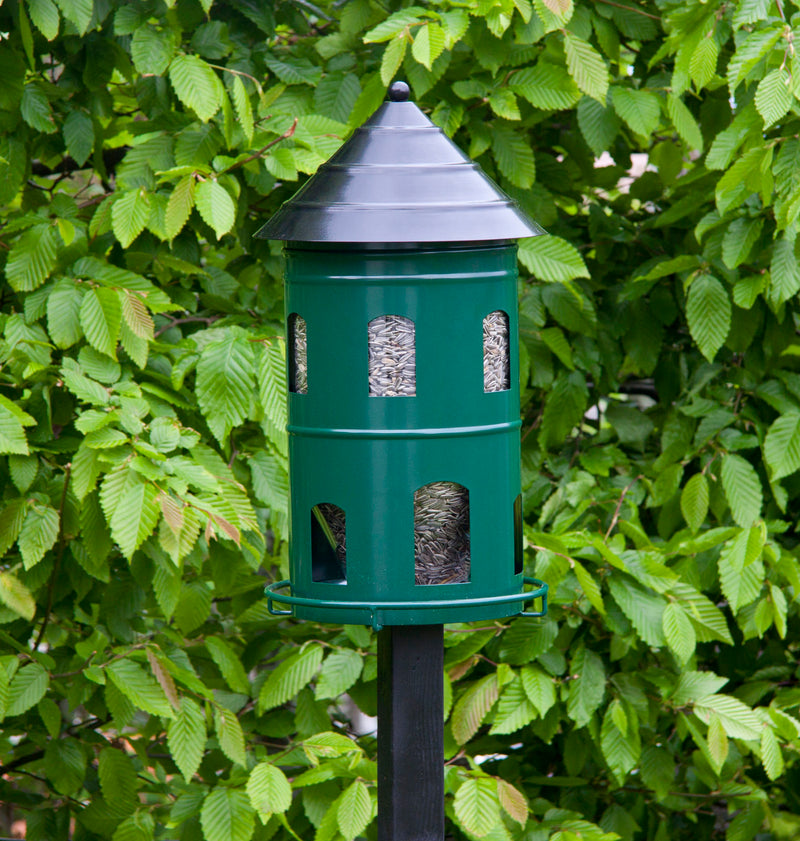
(244, 110)
(196, 85)
(12, 433)
(225, 383)
(215, 206)
(117, 777)
(139, 687)
(227, 815)
(186, 737)
(230, 736)
(44, 14)
(586, 67)
(63, 313)
(684, 122)
(78, 134)
(354, 811)
(708, 311)
(643, 607)
(539, 687)
(641, 110)
(591, 589)
(782, 446)
(228, 663)
(784, 271)
(393, 57)
(551, 258)
(289, 677)
(269, 790)
(774, 96)
(77, 12)
(513, 155)
(514, 709)
(546, 86)
(741, 574)
(740, 236)
(152, 50)
(771, 756)
(717, 742)
(504, 104)
(340, 671)
(137, 827)
(620, 750)
(477, 806)
(179, 206)
(27, 688)
(739, 720)
(130, 505)
(679, 632)
(394, 24)
(587, 689)
(703, 63)
(31, 259)
(694, 501)
(513, 802)
(472, 707)
(742, 489)
(16, 596)
(129, 215)
(428, 44)
(39, 534)
(599, 124)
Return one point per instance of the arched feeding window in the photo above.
(392, 357)
(496, 359)
(298, 354)
(441, 534)
(328, 543)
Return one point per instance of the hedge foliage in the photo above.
(145, 692)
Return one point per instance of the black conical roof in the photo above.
(399, 178)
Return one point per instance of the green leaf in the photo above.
(694, 501)
(78, 134)
(782, 446)
(599, 124)
(621, 750)
(514, 709)
(742, 489)
(354, 811)
(138, 827)
(472, 707)
(230, 736)
(749, 52)
(77, 12)
(196, 85)
(215, 206)
(31, 259)
(504, 104)
(643, 607)
(289, 677)
(551, 258)
(477, 807)
(513, 156)
(586, 691)
(228, 663)
(641, 110)
(740, 237)
(340, 671)
(179, 206)
(244, 110)
(703, 63)
(186, 737)
(118, 779)
(269, 790)
(708, 311)
(591, 589)
(227, 815)
(394, 24)
(774, 96)
(684, 122)
(741, 574)
(539, 687)
(717, 742)
(293, 71)
(101, 318)
(44, 14)
(39, 534)
(16, 596)
(129, 215)
(546, 86)
(586, 66)
(63, 313)
(12, 432)
(225, 383)
(784, 271)
(428, 44)
(152, 50)
(679, 632)
(738, 720)
(393, 57)
(771, 756)
(65, 765)
(131, 508)
(137, 685)
(27, 688)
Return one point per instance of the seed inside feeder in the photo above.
(392, 357)
(496, 363)
(441, 534)
(330, 555)
(298, 355)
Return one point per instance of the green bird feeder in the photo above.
(404, 427)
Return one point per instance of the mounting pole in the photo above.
(411, 733)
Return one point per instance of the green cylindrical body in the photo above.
(369, 454)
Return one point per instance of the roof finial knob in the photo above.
(399, 92)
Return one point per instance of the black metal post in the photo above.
(410, 733)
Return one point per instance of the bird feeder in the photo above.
(402, 352)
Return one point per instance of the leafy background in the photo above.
(146, 693)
